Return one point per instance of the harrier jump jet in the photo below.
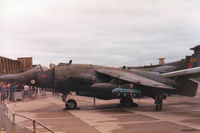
(109, 82)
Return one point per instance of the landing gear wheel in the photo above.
(128, 103)
(71, 104)
(158, 107)
(122, 101)
(158, 102)
(135, 105)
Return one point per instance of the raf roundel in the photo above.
(44, 76)
(32, 82)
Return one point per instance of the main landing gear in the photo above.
(128, 102)
(159, 102)
(70, 104)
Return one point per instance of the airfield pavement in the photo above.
(180, 115)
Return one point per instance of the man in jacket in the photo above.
(3, 93)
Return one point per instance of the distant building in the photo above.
(161, 61)
(26, 63)
(10, 66)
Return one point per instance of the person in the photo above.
(12, 91)
(19, 87)
(3, 93)
(43, 92)
(36, 91)
(54, 91)
(26, 90)
(6, 90)
(33, 89)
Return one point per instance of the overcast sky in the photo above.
(103, 32)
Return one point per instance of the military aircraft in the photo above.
(109, 82)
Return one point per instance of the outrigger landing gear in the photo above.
(159, 102)
(128, 102)
(69, 104)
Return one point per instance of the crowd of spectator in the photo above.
(8, 90)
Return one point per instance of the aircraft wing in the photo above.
(189, 73)
(132, 77)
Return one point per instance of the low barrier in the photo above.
(21, 95)
(11, 124)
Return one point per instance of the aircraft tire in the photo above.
(159, 107)
(71, 104)
(156, 107)
(135, 105)
(158, 102)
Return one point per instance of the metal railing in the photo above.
(11, 115)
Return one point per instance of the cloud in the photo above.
(103, 32)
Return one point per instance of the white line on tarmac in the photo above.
(167, 118)
(55, 118)
(132, 122)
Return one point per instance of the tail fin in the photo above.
(190, 61)
(194, 60)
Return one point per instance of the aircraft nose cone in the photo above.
(28, 77)
(10, 78)
(36, 76)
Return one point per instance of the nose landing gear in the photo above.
(70, 104)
